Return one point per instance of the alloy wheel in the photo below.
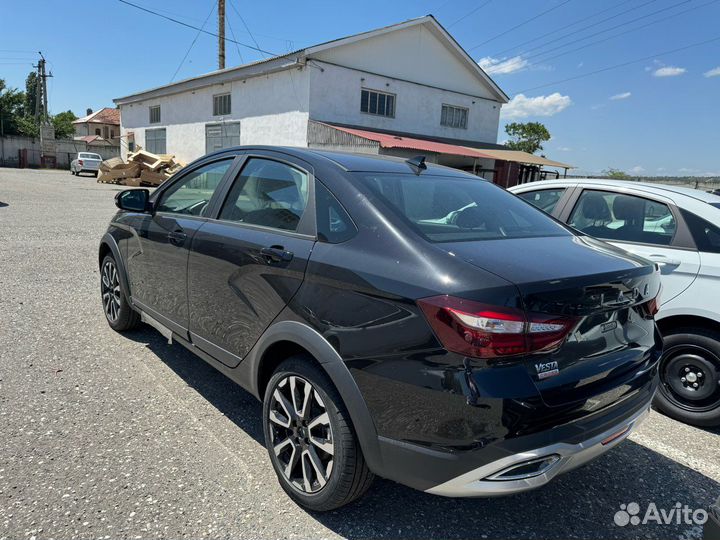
(301, 434)
(110, 289)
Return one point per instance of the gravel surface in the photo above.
(124, 436)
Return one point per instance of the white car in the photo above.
(679, 229)
(86, 162)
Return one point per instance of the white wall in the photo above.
(413, 54)
(272, 109)
(335, 97)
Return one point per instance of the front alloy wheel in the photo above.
(118, 312)
(110, 290)
(311, 442)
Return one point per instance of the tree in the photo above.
(30, 93)
(11, 106)
(527, 137)
(62, 122)
(616, 174)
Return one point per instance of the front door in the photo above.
(157, 256)
(644, 226)
(247, 264)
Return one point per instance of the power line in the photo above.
(630, 62)
(623, 2)
(232, 33)
(606, 30)
(212, 10)
(517, 25)
(176, 21)
(474, 10)
(242, 19)
(672, 16)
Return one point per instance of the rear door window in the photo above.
(545, 199)
(269, 194)
(623, 218)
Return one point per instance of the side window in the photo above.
(705, 234)
(544, 199)
(334, 225)
(191, 194)
(624, 218)
(267, 193)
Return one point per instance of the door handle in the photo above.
(276, 254)
(177, 238)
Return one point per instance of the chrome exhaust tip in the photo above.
(525, 469)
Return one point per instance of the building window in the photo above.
(380, 103)
(155, 141)
(155, 114)
(106, 130)
(97, 132)
(112, 133)
(219, 136)
(454, 116)
(221, 105)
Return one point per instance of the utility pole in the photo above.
(221, 34)
(42, 118)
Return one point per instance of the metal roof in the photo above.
(524, 157)
(269, 64)
(411, 143)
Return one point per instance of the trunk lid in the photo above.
(600, 285)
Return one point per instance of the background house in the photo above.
(98, 127)
(402, 90)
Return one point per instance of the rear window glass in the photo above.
(544, 199)
(452, 209)
(715, 204)
(705, 234)
(90, 156)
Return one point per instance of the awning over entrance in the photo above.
(423, 145)
(523, 157)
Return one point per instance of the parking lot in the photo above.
(125, 436)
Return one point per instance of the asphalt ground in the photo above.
(105, 435)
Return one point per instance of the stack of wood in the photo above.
(142, 169)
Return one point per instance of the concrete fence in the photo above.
(25, 151)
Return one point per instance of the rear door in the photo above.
(249, 260)
(646, 225)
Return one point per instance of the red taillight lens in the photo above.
(484, 331)
(80, 161)
(650, 308)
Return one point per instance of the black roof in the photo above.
(351, 161)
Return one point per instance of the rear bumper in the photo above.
(484, 469)
(536, 467)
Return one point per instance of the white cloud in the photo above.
(522, 106)
(623, 95)
(715, 72)
(669, 71)
(564, 149)
(502, 66)
(637, 169)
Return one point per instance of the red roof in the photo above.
(105, 115)
(397, 141)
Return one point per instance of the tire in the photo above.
(690, 377)
(118, 312)
(96, 174)
(312, 487)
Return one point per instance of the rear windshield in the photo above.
(715, 204)
(452, 209)
(89, 156)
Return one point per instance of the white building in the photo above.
(405, 89)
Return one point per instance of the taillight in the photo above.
(80, 161)
(650, 308)
(484, 331)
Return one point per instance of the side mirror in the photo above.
(133, 200)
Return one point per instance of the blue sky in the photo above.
(658, 116)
